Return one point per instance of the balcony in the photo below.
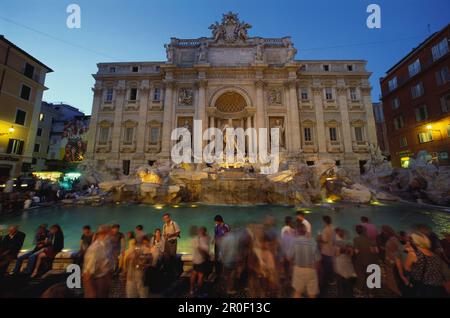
(334, 147)
(103, 147)
(360, 146)
(132, 105)
(107, 106)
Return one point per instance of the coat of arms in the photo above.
(230, 30)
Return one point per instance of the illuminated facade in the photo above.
(22, 79)
(323, 108)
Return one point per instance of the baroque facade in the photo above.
(323, 108)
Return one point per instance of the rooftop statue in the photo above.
(230, 30)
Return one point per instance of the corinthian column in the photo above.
(200, 114)
(143, 110)
(260, 109)
(293, 119)
(116, 137)
(92, 132)
(167, 120)
(346, 129)
(318, 107)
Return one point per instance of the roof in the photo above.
(419, 47)
(2, 38)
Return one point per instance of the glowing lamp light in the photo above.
(329, 200)
(430, 127)
(159, 206)
(11, 129)
(176, 206)
(194, 206)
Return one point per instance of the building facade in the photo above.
(323, 108)
(22, 79)
(416, 102)
(381, 127)
(68, 136)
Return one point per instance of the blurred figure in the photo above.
(98, 265)
(326, 242)
(137, 262)
(157, 247)
(445, 243)
(52, 246)
(436, 246)
(370, 228)
(220, 230)
(118, 245)
(343, 266)
(287, 236)
(200, 259)
(427, 270)
(10, 246)
(366, 253)
(301, 219)
(39, 240)
(171, 232)
(85, 242)
(131, 247)
(393, 259)
(305, 258)
(229, 257)
(139, 234)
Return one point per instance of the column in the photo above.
(293, 119)
(345, 119)
(142, 123)
(371, 127)
(201, 104)
(93, 123)
(167, 120)
(116, 137)
(318, 107)
(260, 108)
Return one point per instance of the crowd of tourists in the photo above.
(258, 259)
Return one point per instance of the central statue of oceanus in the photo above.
(230, 30)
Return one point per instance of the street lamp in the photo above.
(10, 131)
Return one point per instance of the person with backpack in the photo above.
(171, 233)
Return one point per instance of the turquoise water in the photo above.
(72, 219)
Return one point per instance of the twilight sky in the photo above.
(136, 30)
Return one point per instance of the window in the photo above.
(154, 135)
(440, 49)
(310, 163)
(445, 103)
(304, 93)
(29, 70)
(128, 136)
(135, 69)
(425, 137)
(303, 67)
(443, 155)
(417, 90)
(338, 163)
(39, 132)
(396, 103)
(421, 113)
(326, 68)
(392, 83)
(109, 94)
(398, 122)
(414, 68)
(15, 146)
(442, 76)
(156, 94)
(333, 133)
(353, 94)
(359, 134)
(126, 167)
(329, 93)
(25, 92)
(350, 68)
(112, 69)
(37, 147)
(133, 94)
(403, 142)
(33, 161)
(20, 117)
(307, 134)
(157, 68)
(41, 117)
(103, 135)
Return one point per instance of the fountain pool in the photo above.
(400, 216)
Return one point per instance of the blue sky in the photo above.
(136, 30)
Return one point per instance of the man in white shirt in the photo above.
(301, 219)
(327, 242)
(171, 232)
(98, 265)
